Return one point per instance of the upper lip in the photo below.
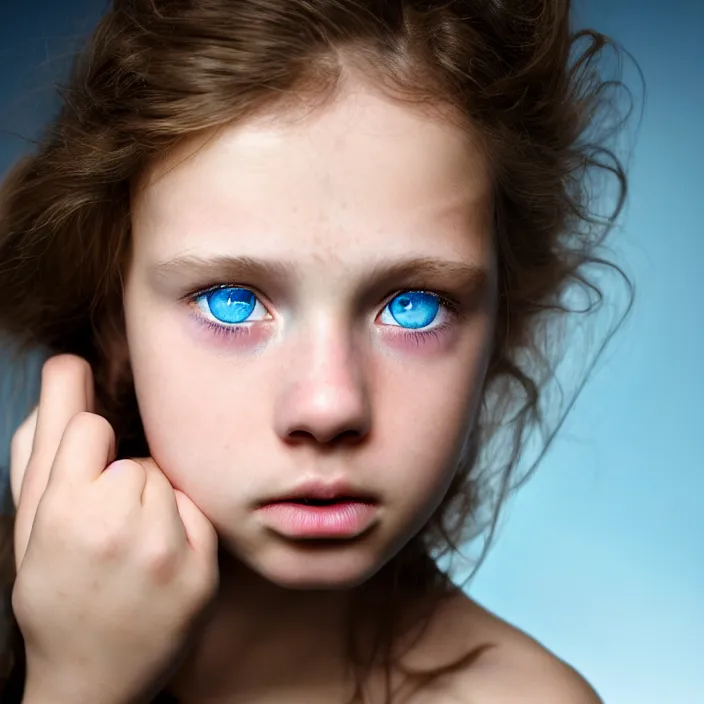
(320, 489)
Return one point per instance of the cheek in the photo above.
(198, 411)
(207, 414)
(426, 417)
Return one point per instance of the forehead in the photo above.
(361, 166)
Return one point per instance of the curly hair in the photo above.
(157, 72)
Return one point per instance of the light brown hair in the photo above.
(156, 72)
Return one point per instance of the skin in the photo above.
(338, 205)
(115, 539)
(319, 387)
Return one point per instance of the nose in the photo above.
(323, 396)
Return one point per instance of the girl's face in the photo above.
(310, 303)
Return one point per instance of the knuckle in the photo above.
(106, 544)
(161, 560)
(90, 423)
(128, 467)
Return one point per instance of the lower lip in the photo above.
(346, 519)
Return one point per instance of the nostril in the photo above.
(346, 437)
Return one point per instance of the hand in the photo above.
(114, 566)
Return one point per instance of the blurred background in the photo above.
(601, 555)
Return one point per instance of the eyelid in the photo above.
(204, 290)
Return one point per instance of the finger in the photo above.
(87, 447)
(158, 495)
(124, 481)
(199, 530)
(20, 451)
(64, 393)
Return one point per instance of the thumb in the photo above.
(199, 530)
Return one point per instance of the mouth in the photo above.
(316, 509)
(319, 493)
(305, 501)
(304, 518)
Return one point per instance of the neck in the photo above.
(261, 642)
(264, 643)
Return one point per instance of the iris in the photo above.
(414, 309)
(231, 305)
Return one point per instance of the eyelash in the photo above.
(241, 330)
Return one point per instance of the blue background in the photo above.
(601, 555)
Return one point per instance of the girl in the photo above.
(295, 263)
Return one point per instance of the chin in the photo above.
(311, 566)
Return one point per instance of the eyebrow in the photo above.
(218, 268)
(420, 270)
(415, 271)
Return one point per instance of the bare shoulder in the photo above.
(497, 663)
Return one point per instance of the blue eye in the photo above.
(230, 305)
(411, 309)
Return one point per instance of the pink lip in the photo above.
(346, 518)
(323, 491)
